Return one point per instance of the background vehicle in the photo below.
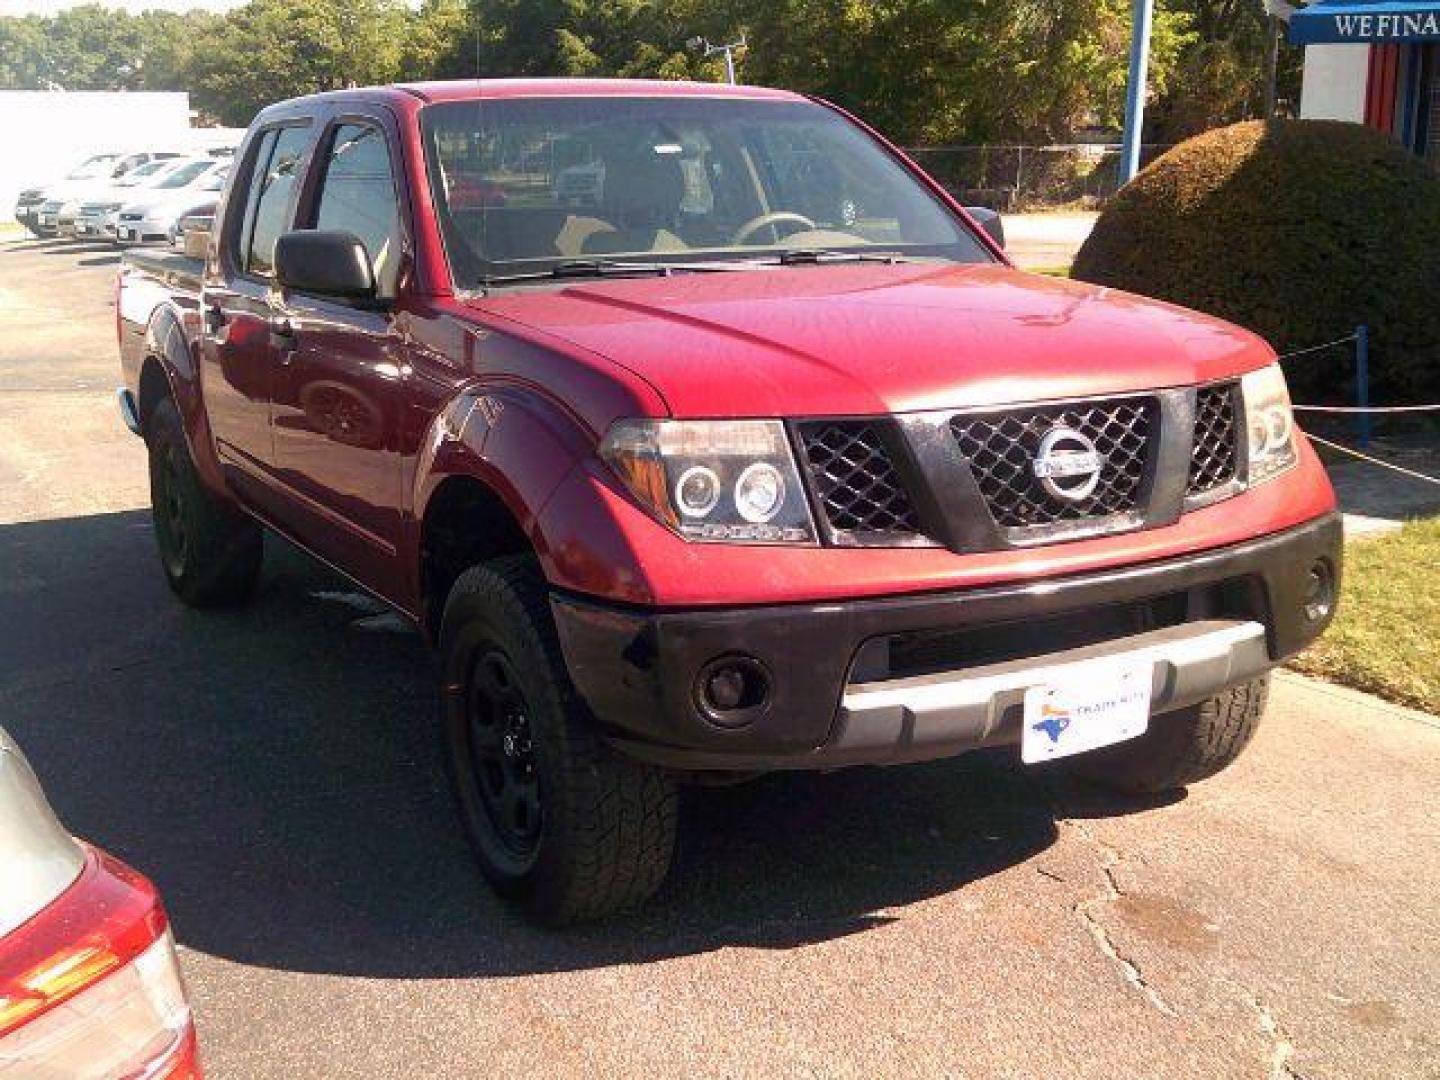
(89, 982)
(95, 167)
(155, 216)
(767, 461)
(192, 230)
(38, 208)
(97, 217)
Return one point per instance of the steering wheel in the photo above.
(754, 225)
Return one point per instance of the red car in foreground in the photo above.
(90, 988)
(715, 439)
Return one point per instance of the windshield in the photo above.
(184, 174)
(99, 165)
(526, 186)
(141, 173)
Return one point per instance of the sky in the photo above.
(50, 7)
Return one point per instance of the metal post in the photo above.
(701, 45)
(1135, 94)
(1272, 64)
(1362, 383)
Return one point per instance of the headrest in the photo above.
(643, 189)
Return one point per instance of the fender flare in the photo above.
(525, 447)
(171, 338)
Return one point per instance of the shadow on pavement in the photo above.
(275, 771)
(35, 243)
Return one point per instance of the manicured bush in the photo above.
(1299, 230)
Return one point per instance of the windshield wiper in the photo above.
(585, 268)
(820, 256)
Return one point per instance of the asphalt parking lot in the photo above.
(274, 770)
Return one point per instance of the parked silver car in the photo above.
(56, 212)
(153, 216)
(95, 211)
(90, 985)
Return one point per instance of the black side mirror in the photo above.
(989, 220)
(324, 263)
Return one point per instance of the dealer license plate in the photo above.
(1086, 706)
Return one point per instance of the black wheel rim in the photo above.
(170, 514)
(502, 754)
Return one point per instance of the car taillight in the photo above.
(91, 988)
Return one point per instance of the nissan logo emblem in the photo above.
(1067, 465)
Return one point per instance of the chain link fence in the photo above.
(1011, 178)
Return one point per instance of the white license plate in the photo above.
(1086, 706)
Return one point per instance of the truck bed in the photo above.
(172, 269)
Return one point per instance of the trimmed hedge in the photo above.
(1300, 230)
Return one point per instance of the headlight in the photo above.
(1269, 423)
(727, 481)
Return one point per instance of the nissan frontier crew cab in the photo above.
(759, 456)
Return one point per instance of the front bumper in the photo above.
(90, 227)
(140, 231)
(837, 695)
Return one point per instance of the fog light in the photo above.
(730, 688)
(1319, 598)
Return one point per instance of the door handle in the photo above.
(214, 318)
(282, 339)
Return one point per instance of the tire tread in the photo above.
(618, 821)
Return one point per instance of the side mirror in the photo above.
(324, 263)
(989, 220)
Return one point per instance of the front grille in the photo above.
(855, 479)
(1213, 453)
(1001, 448)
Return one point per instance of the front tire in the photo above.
(560, 824)
(1181, 747)
(211, 553)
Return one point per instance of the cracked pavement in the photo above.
(274, 770)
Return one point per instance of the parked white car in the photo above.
(90, 985)
(58, 213)
(97, 217)
(97, 169)
(153, 217)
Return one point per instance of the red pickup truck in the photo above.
(704, 435)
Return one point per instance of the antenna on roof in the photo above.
(479, 134)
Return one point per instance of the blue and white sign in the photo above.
(1363, 22)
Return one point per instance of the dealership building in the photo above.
(1375, 63)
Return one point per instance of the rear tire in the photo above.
(1181, 747)
(561, 825)
(211, 553)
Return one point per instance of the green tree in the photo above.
(273, 49)
(1220, 74)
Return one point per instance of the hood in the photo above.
(176, 202)
(855, 339)
(91, 192)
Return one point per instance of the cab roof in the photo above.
(491, 89)
(470, 89)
